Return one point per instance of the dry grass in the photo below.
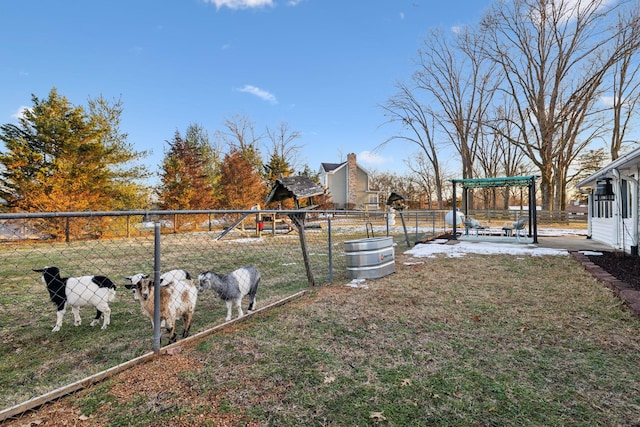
(478, 341)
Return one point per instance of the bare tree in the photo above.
(457, 76)
(626, 82)
(427, 181)
(554, 55)
(510, 158)
(414, 117)
(240, 136)
(283, 145)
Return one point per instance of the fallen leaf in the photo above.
(174, 350)
(329, 380)
(405, 382)
(377, 416)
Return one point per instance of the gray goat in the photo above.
(232, 287)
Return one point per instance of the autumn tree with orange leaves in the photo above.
(62, 158)
(241, 185)
(66, 158)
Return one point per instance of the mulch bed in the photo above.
(620, 265)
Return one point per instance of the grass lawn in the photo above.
(483, 340)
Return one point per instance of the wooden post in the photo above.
(298, 218)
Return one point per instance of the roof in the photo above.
(632, 158)
(330, 167)
(506, 181)
(296, 187)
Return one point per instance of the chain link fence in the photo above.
(34, 360)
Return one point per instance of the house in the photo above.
(613, 203)
(347, 184)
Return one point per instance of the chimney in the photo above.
(351, 180)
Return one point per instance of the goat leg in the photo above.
(96, 319)
(77, 320)
(59, 316)
(229, 307)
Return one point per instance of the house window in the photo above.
(373, 199)
(602, 209)
(625, 196)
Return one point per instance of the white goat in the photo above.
(173, 275)
(233, 287)
(165, 279)
(83, 291)
(177, 299)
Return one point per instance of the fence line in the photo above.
(35, 360)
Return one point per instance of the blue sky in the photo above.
(322, 66)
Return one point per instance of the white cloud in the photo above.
(260, 93)
(371, 158)
(20, 113)
(241, 4)
(607, 100)
(402, 16)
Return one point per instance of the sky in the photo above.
(323, 67)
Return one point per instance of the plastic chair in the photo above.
(473, 224)
(516, 227)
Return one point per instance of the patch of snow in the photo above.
(358, 283)
(591, 253)
(462, 248)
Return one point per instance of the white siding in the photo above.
(626, 234)
(604, 230)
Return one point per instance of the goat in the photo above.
(232, 287)
(83, 291)
(177, 299)
(165, 279)
(173, 275)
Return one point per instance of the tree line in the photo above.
(542, 87)
(62, 157)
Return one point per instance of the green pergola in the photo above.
(507, 181)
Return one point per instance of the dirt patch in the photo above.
(157, 383)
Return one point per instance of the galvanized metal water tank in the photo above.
(370, 258)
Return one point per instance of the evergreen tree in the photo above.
(188, 172)
(277, 167)
(61, 158)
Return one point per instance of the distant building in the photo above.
(347, 184)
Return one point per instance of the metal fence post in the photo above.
(156, 289)
(330, 248)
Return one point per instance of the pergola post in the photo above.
(453, 208)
